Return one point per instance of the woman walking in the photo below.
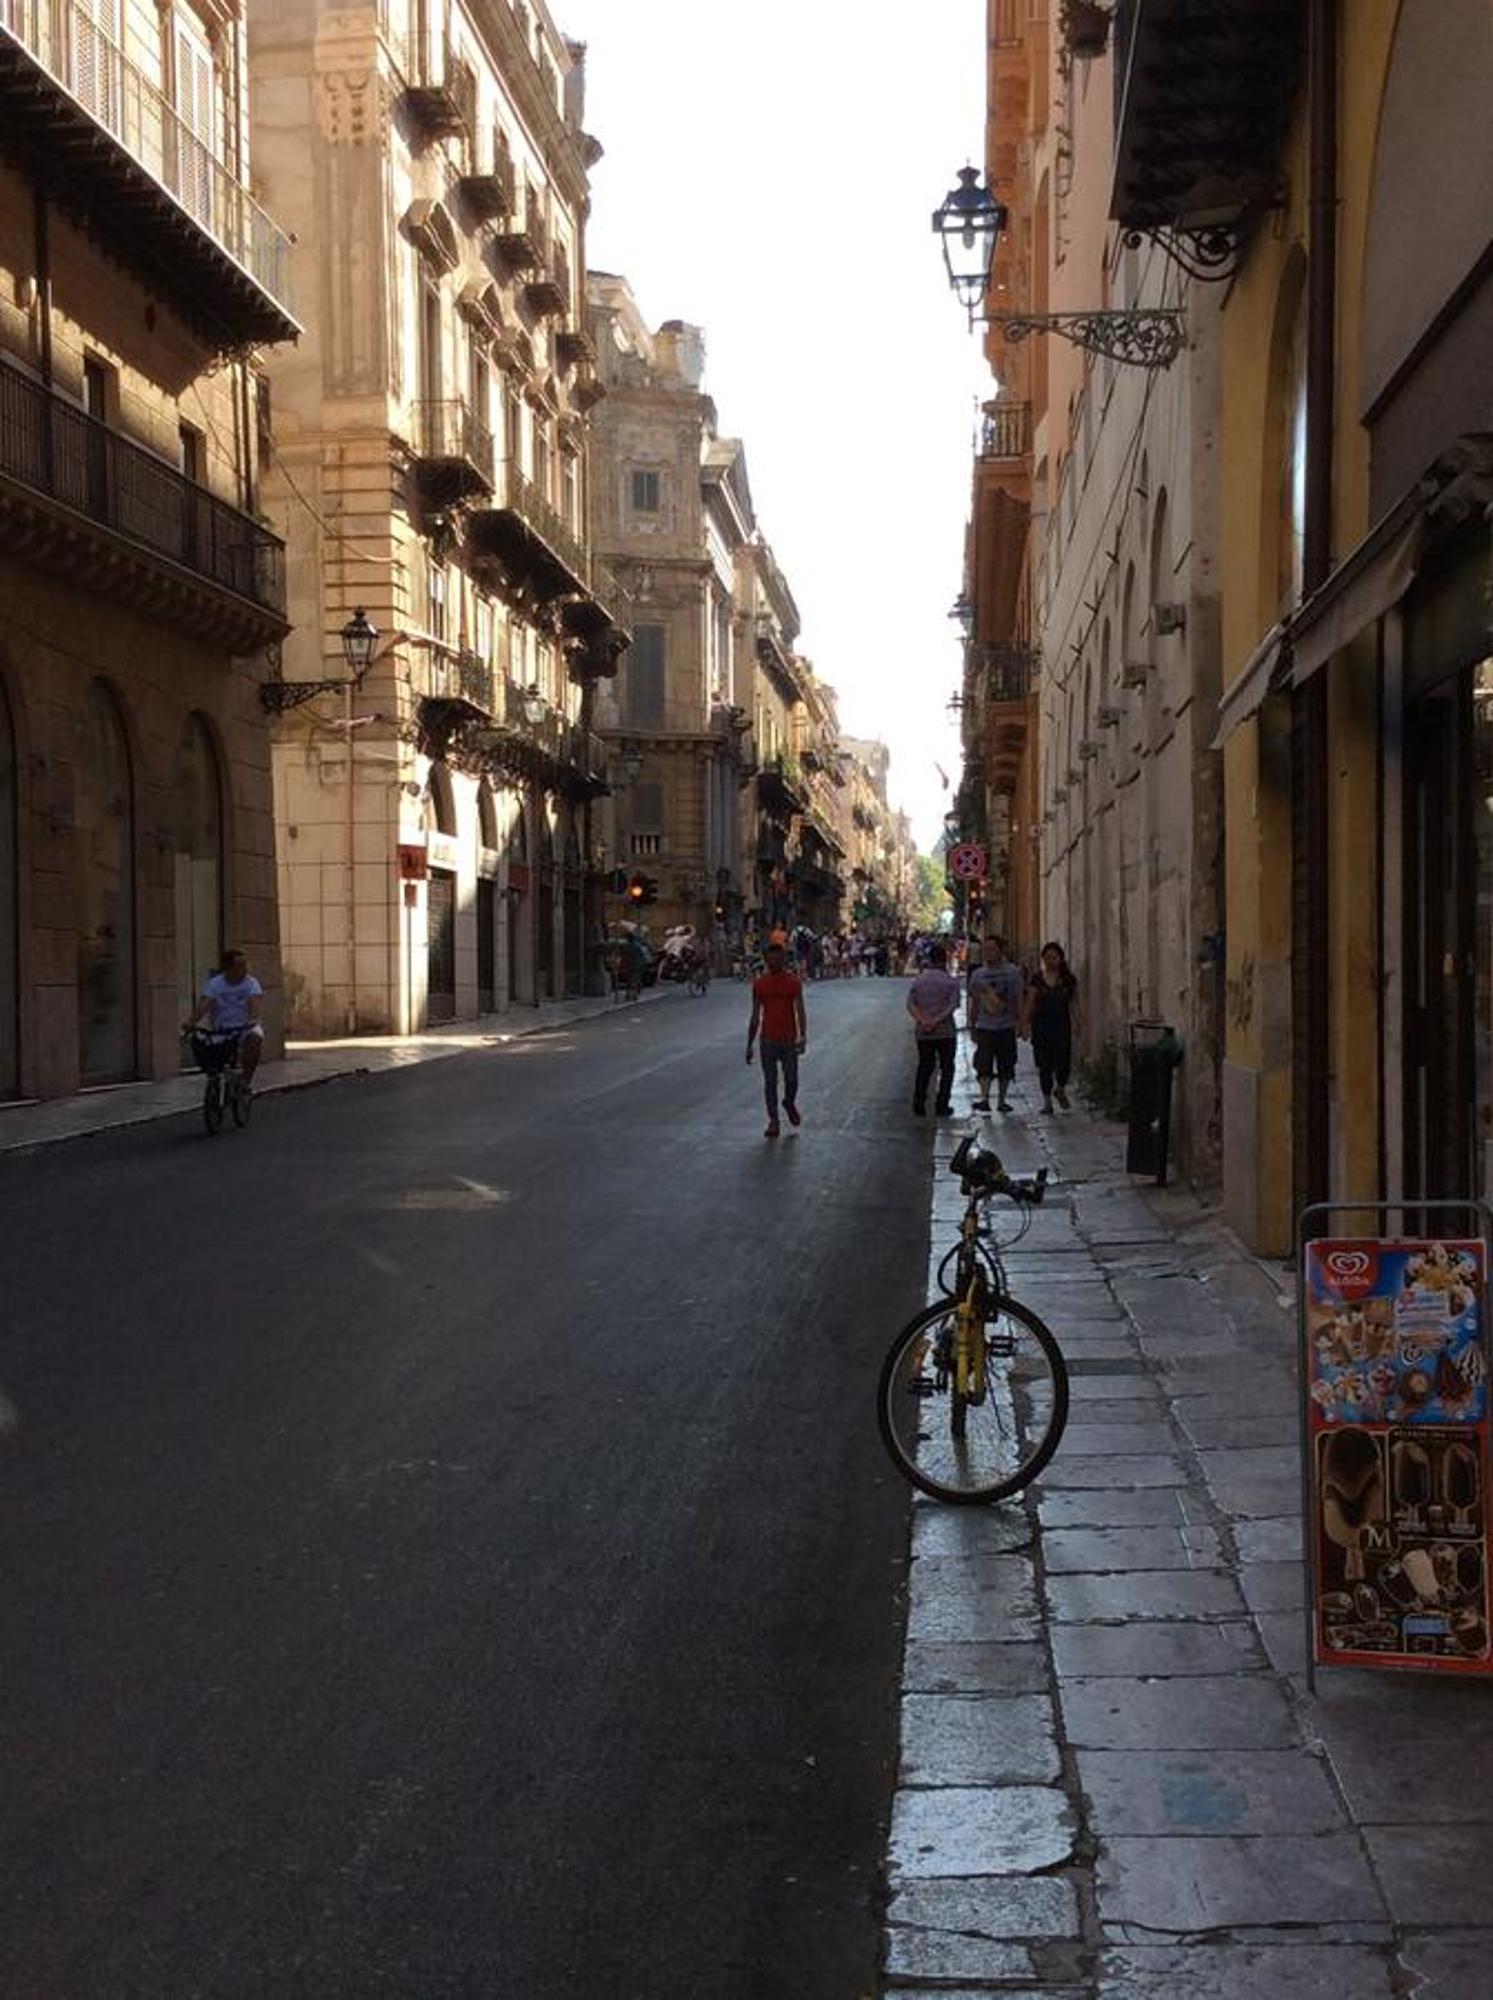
(1052, 1016)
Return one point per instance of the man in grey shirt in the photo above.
(995, 1017)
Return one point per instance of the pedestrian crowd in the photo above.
(1004, 1005)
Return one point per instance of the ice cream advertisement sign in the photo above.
(1396, 1376)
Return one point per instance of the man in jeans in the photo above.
(933, 1002)
(778, 1009)
(997, 998)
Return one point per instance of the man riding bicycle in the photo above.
(230, 1006)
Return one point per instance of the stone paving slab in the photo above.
(1087, 1439)
(1171, 1594)
(1097, 1397)
(969, 1531)
(1128, 1651)
(1123, 1472)
(1104, 1506)
(1276, 1540)
(1240, 1429)
(980, 1830)
(1008, 1907)
(979, 1740)
(944, 1955)
(1273, 1586)
(1230, 1882)
(977, 1597)
(1416, 1862)
(1225, 1712)
(975, 1667)
(1392, 1789)
(1448, 1968)
(1175, 1546)
(1246, 1972)
(1208, 1791)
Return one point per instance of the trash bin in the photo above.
(1154, 1054)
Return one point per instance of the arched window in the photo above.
(10, 928)
(106, 928)
(487, 816)
(442, 800)
(198, 861)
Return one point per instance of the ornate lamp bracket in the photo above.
(278, 696)
(1210, 254)
(1148, 337)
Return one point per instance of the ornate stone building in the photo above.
(437, 852)
(140, 588)
(672, 512)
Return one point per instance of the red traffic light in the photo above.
(637, 889)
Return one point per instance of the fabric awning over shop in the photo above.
(1357, 594)
(1246, 693)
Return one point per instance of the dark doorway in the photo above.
(546, 983)
(10, 929)
(106, 931)
(1440, 956)
(440, 990)
(487, 945)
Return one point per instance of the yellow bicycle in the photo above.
(973, 1396)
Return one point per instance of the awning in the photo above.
(1245, 694)
(1357, 594)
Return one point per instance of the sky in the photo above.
(769, 175)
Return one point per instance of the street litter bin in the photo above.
(1154, 1053)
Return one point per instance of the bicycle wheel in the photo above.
(212, 1106)
(985, 1449)
(241, 1102)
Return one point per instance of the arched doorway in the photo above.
(487, 899)
(198, 867)
(106, 926)
(546, 986)
(10, 927)
(440, 907)
(520, 966)
(574, 941)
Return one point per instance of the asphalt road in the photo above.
(447, 1547)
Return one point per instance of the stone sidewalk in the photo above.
(1114, 1784)
(304, 1064)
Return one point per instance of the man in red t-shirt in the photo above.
(778, 1009)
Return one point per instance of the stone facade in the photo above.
(434, 821)
(143, 596)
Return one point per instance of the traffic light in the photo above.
(637, 890)
(617, 882)
(720, 912)
(650, 888)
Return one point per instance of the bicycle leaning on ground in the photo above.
(973, 1396)
(227, 1088)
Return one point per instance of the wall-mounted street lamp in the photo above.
(631, 761)
(968, 223)
(360, 648)
(535, 707)
(962, 610)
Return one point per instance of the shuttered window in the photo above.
(645, 678)
(196, 135)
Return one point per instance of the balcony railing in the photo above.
(64, 40)
(440, 89)
(1006, 431)
(521, 496)
(454, 446)
(58, 451)
(1010, 672)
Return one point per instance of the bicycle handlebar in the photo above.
(981, 1173)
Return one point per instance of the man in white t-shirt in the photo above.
(230, 1005)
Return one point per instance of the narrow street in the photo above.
(448, 1549)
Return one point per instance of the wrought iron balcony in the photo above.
(1203, 97)
(780, 784)
(1010, 672)
(77, 496)
(440, 90)
(85, 124)
(1006, 431)
(454, 455)
(487, 196)
(529, 540)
